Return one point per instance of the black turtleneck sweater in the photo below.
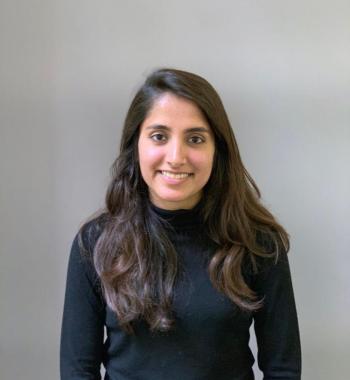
(211, 335)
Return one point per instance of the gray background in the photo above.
(68, 70)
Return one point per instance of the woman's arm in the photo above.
(82, 333)
(276, 324)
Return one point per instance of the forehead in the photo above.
(172, 109)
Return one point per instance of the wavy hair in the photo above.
(137, 270)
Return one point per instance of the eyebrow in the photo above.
(160, 127)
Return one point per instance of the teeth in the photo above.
(177, 176)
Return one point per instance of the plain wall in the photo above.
(68, 71)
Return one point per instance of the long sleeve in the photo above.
(82, 333)
(276, 324)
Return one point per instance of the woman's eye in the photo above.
(196, 139)
(158, 137)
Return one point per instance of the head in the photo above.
(218, 166)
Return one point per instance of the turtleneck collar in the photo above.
(181, 219)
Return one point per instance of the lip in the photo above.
(174, 181)
(174, 171)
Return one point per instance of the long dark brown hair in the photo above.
(133, 256)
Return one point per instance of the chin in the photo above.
(179, 202)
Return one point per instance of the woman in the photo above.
(184, 257)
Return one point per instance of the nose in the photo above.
(176, 153)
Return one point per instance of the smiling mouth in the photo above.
(175, 175)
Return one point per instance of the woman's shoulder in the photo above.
(81, 260)
(91, 230)
(272, 252)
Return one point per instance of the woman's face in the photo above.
(176, 151)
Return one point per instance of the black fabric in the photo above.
(211, 335)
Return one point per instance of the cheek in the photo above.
(149, 156)
(203, 161)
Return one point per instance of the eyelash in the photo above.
(163, 137)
